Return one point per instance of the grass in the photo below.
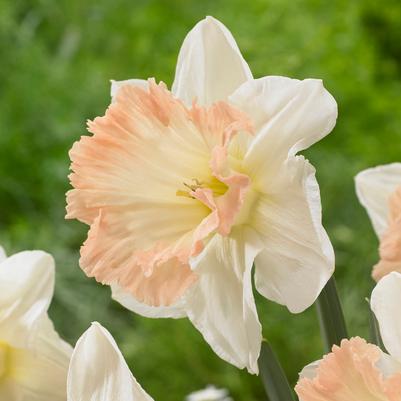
(56, 62)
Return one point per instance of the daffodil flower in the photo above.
(186, 190)
(98, 371)
(33, 359)
(210, 393)
(379, 191)
(357, 370)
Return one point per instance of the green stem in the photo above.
(331, 317)
(273, 377)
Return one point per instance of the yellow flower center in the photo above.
(218, 187)
(4, 359)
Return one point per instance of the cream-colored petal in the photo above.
(40, 371)
(9, 390)
(374, 187)
(289, 115)
(128, 301)
(385, 303)
(3, 255)
(117, 85)
(310, 370)
(210, 393)
(26, 289)
(210, 65)
(298, 258)
(388, 365)
(221, 305)
(98, 371)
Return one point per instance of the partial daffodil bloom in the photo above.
(33, 359)
(186, 190)
(210, 393)
(98, 371)
(357, 370)
(379, 191)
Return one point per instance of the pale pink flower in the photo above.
(185, 190)
(33, 358)
(357, 370)
(379, 191)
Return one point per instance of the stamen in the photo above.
(214, 184)
(196, 184)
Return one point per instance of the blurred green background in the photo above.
(56, 60)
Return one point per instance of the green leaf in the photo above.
(331, 317)
(273, 377)
(375, 336)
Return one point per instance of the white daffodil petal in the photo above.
(388, 365)
(40, 372)
(298, 258)
(210, 66)
(289, 115)
(128, 301)
(26, 289)
(117, 85)
(98, 371)
(310, 370)
(374, 187)
(221, 305)
(385, 303)
(3, 255)
(210, 393)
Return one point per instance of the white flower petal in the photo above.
(210, 66)
(388, 365)
(385, 303)
(98, 371)
(210, 393)
(40, 372)
(26, 289)
(310, 370)
(374, 187)
(289, 115)
(3, 255)
(221, 305)
(298, 258)
(116, 85)
(128, 301)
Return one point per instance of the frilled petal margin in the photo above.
(374, 187)
(385, 303)
(26, 289)
(350, 373)
(128, 301)
(98, 371)
(210, 65)
(298, 257)
(221, 304)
